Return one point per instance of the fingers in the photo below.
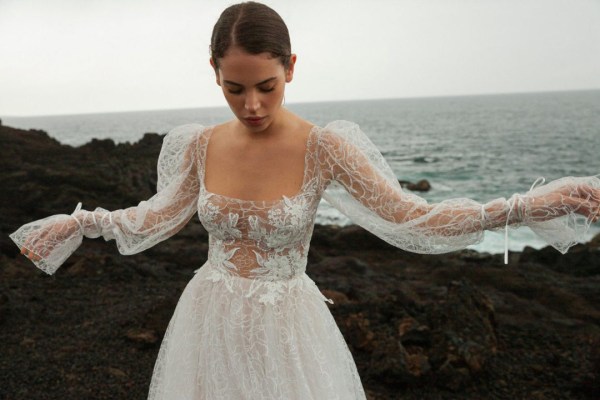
(590, 209)
(596, 215)
(30, 254)
(582, 191)
(35, 247)
(595, 206)
(589, 202)
(588, 193)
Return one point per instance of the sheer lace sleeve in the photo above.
(362, 186)
(50, 241)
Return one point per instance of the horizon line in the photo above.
(308, 102)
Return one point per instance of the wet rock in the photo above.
(421, 186)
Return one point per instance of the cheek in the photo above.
(276, 96)
(233, 101)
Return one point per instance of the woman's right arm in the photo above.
(50, 241)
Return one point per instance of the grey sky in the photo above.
(76, 56)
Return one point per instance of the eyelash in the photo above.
(240, 91)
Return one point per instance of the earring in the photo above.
(283, 103)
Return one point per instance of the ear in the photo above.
(214, 66)
(289, 73)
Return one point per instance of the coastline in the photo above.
(459, 325)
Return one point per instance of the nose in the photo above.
(252, 102)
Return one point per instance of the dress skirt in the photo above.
(235, 338)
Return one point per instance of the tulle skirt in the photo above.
(230, 339)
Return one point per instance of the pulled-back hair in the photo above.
(253, 27)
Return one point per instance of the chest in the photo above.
(272, 224)
(255, 171)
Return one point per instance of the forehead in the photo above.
(242, 67)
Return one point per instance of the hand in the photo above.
(581, 199)
(41, 242)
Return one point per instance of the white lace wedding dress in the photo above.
(251, 324)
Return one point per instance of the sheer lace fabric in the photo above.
(365, 189)
(224, 343)
(55, 238)
(251, 324)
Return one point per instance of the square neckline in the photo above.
(209, 131)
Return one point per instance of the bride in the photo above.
(251, 324)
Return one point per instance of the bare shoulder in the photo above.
(299, 127)
(222, 134)
(223, 128)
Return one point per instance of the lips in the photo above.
(254, 120)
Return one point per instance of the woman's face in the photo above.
(253, 85)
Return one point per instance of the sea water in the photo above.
(478, 147)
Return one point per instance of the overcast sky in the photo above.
(78, 56)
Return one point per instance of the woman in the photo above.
(251, 324)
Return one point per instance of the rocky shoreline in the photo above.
(455, 326)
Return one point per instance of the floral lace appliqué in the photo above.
(280, 266)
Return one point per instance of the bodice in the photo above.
(261, 240)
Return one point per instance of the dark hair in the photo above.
(255, 28)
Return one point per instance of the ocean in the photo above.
(480, 147)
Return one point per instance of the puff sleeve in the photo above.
(361, 185)
(53, 239)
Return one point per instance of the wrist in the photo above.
(76, 215)
(516, 208)
(88, 222)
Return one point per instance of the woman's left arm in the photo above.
(363, 187)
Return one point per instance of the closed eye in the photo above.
(239, 91)
(237, 88)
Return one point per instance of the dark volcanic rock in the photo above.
(421, 186)
(579, 261)
(450, 348)
(464, 334)
(460, 325)
(353, 237)
(41, 177)
(4, 307)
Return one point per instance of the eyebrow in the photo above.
(258, 84)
